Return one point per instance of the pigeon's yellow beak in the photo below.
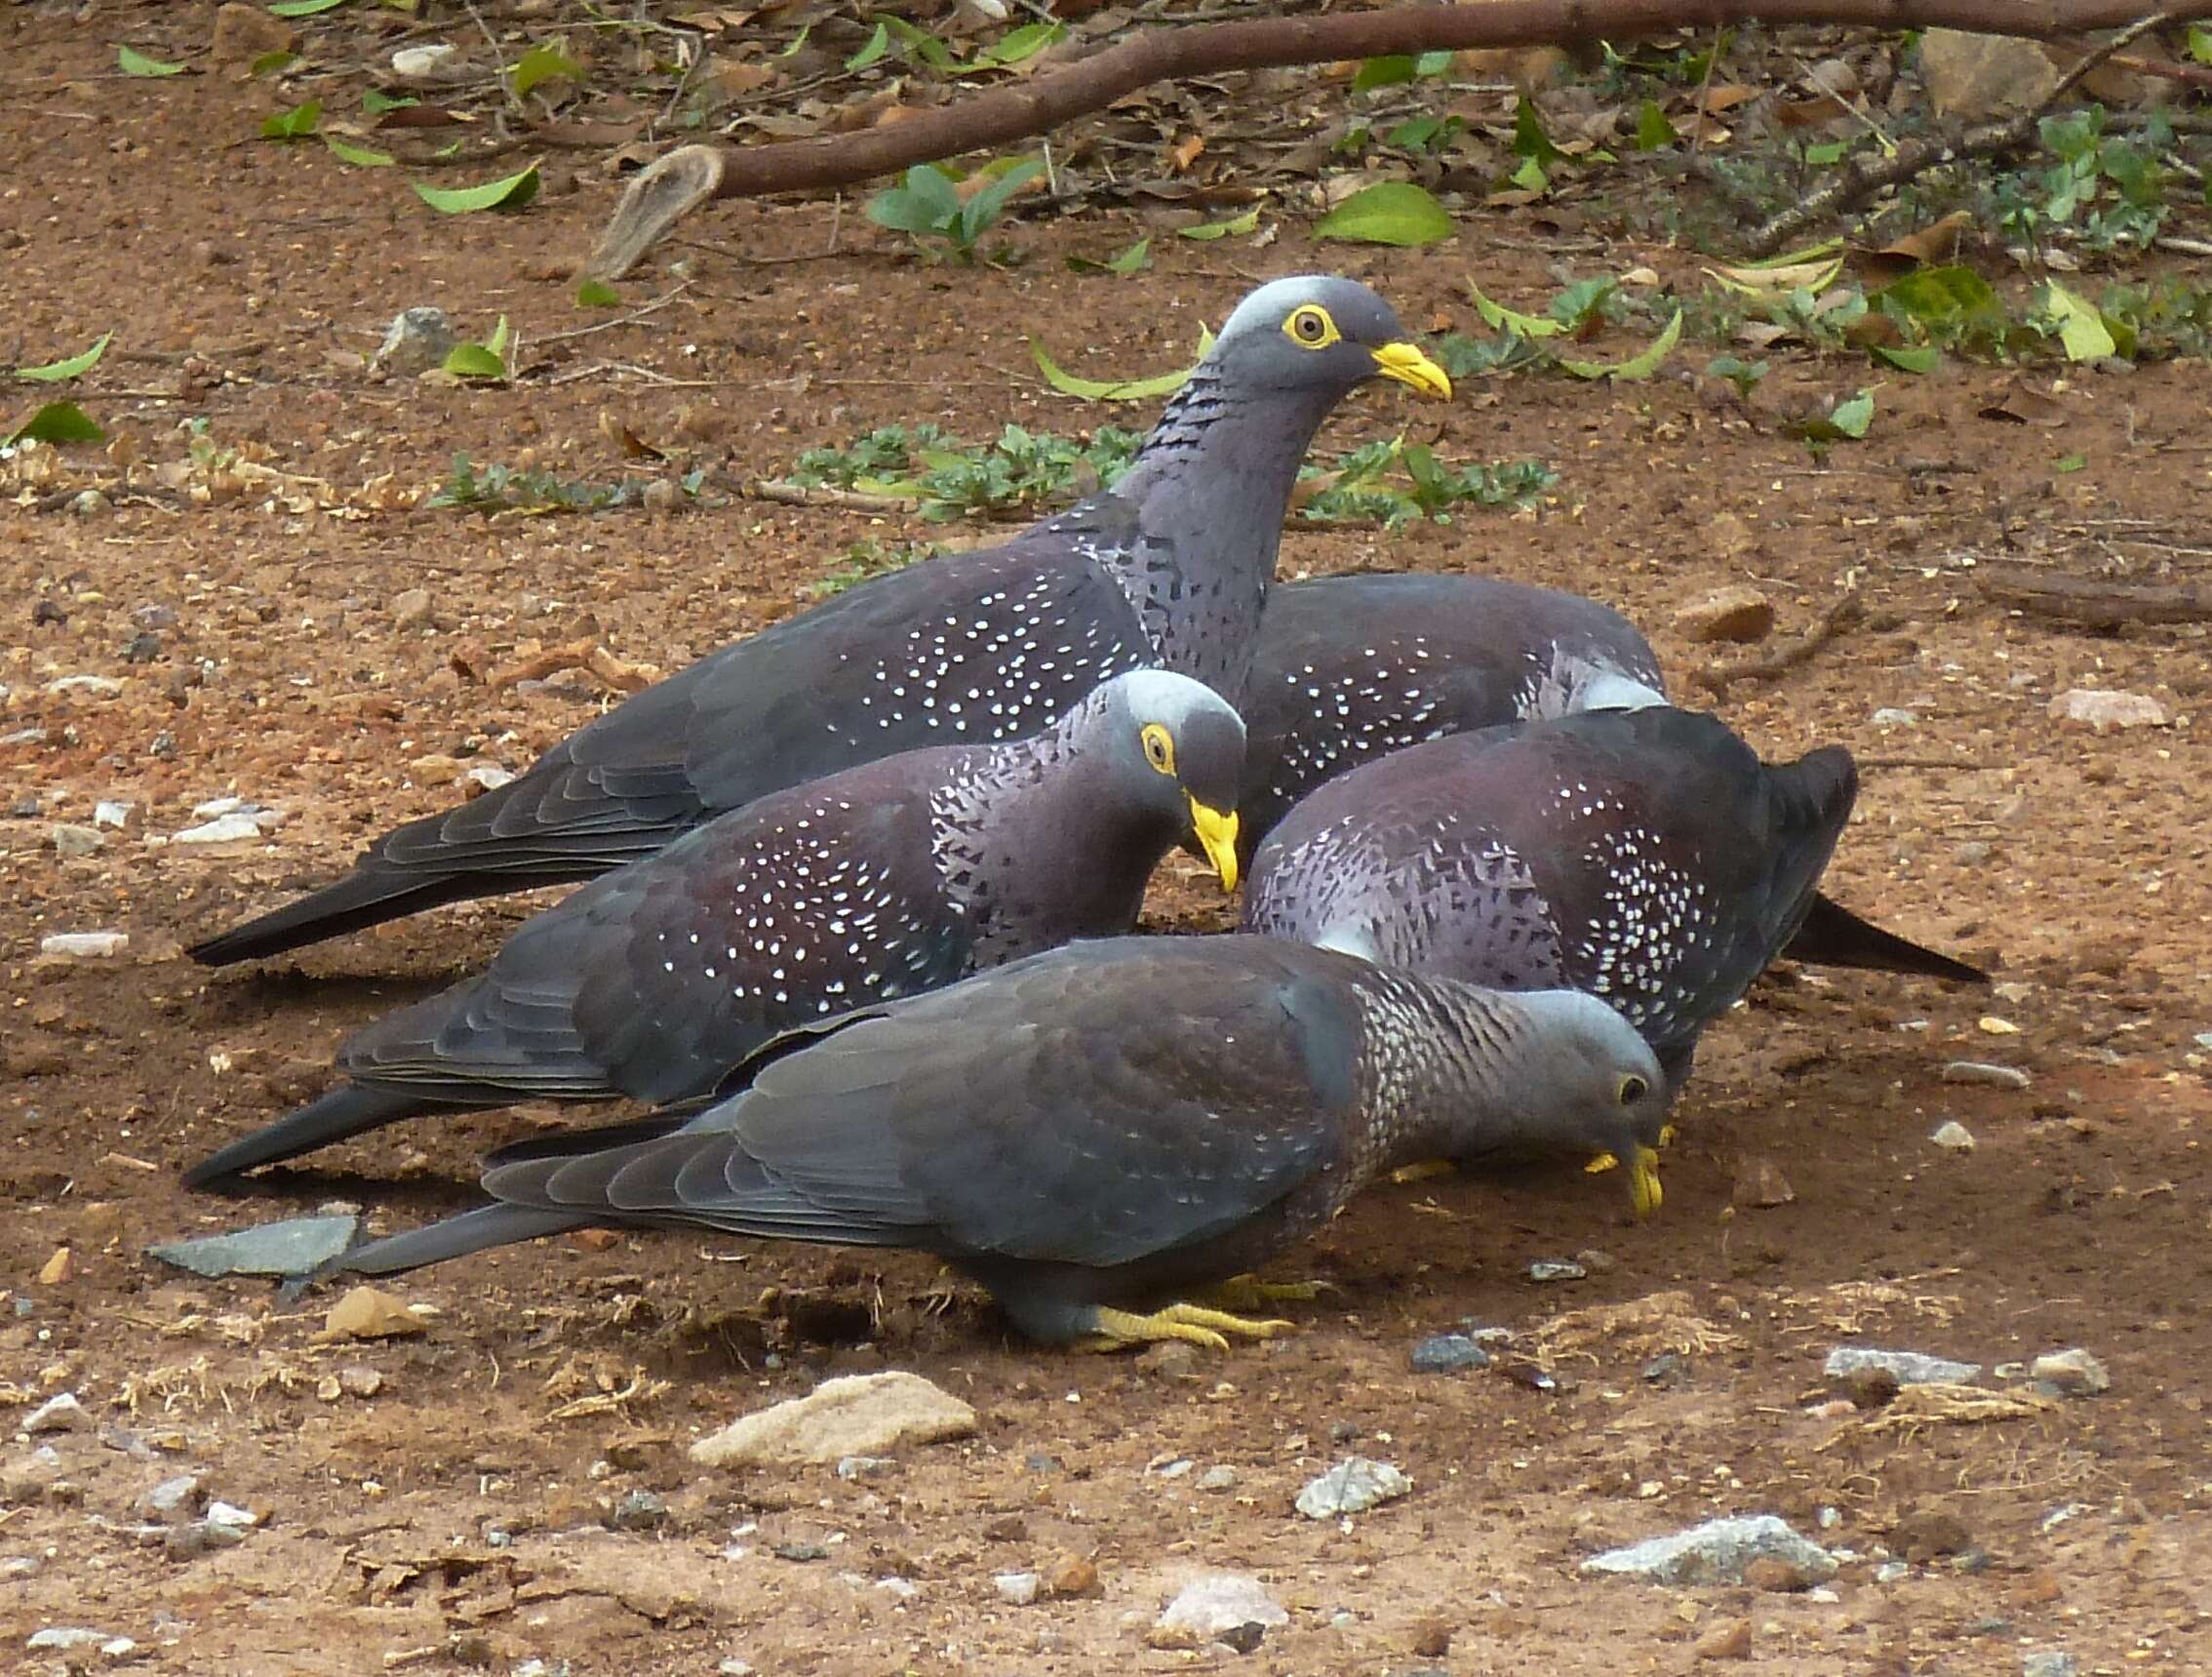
(1217, 837)
(1405, 363)
(1645, 1191)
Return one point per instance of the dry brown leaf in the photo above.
(364, 1313)
(1185, 152)
(1934, 244)
(1811, 112)
(627, 441)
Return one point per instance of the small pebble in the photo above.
(101, 685)
(1893, 716)
(1219, 1606)
(2103, 709)
(111, 813)
(1217, 1479)
(639, 1510)
(1018, 1589)
(1352, 1486)
(1889, 1572)
(1730, 1639)
(1903, 1367)
(489, 776)
(1983, 1072)
(2049, 1662)
(61, 1413)
(1448, 1355)
(864, 1466)
(1953, 1137)
(2071, 1372)
(84, 946)
(411, 608)
(1555, 1269)
(61, 1638)
(69, 839)
(229, 828)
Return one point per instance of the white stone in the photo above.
(84, 946)
(1017, 1589)
(1218, 1603)
(1983, 1072)
(101, 686)
(61, 1413)
(1352, 1486)
(1715, 1552)
(858, 1414)
(434, 63)
(1905, 1368)
(2073, 1371)
(489, 776)
(224, 829)
(1953, 1137)
(2102, 708)
(111, 813)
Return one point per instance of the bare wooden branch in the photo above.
(2093, 602)
(676, 184)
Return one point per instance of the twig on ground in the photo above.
(2094, 602)
(800, 495)
(586, 655)
(1841, 617)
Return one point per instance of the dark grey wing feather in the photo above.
(1207, 1083)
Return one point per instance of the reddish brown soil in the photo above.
(2075, 863)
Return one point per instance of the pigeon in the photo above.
(1351, 669)
(1100, 1133)
(896, 877)
(1644, 857)
(1170, 567)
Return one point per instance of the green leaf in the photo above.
(2082, 330)
(1432, 63)
(1384, 73)
(55, 372)
(271, 63)
(1530, 140)
(376, 102)
(1115, 390)
(1498, 318)
(297, 123)
(2069, 463)
(1924, 360)
(877, 45)
(1388, 213)
(486, 360)
(1653, 132)
(925, 46)
(139, 64)
(1530, 177)
(2201, 44)
(301, 8)
(597, 294)
(359, 156)
(509, 194)
(1239, 225)
(58, 422)
(1637, 367)
(1135, 260)
(1014, 46)
(1852, 418)
(543, 64)
(924, 202)
(984, 206)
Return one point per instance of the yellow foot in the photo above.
(1644, 1178)
(1194, 1324)
(1251, 1293)
(1421, 1170)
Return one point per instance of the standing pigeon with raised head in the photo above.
(1098, 1132)
(1169, 567)
(1348, 669)
(892, 878)
(1646, 857)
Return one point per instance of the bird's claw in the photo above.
(1193, 1324)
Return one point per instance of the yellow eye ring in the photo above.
(1159, 747)
(1310, 327)
(1633, 1089)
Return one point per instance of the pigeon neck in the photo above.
(1210, 490)
(1446, 1060)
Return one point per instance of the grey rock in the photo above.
(2102, 709)
(70, 839)
(639, 1510)
(2071, 1373)
(1666, 1368)
(196, 1537)
(489, 776)
(112, 812)
(1217, 1479)
(1894, 716)
(1448, 1355)
(1889, 1572)
(1218, 1605)
(229, 828)
(1555, 1269)
(1017, 1589)
(411, 608)
(1905, 1368)
(2204, 1040)
(295, 1246)
(231, 1515)
(84, 946)
(61, 1413)
(25, 737)
(417, 339)
(61, 1638)
(1983, 1072)
(2049, 1662)
(864, 1466)
(155, 617)
(100, 686)
(174, 1498)
(1715, 1552)
(87, 501)
(1352, 1486)
(1953, 1137)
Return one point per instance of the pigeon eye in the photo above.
(1310, 327)
(1159, 747)
(1633, 1089)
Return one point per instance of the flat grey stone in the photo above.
(1905, 1368)
(1448, 1355)
(296, 1246)
(2073, 1373)
(1983, 1072)
(2049, 1662)
(1352, 1486)
(1220, 1602)
(1715, 1552)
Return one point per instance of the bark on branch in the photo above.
(679, 182)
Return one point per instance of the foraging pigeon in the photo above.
(1646, 857)
(1096, 1133)
(1351, 669)
(1170, 567)
(896, 877)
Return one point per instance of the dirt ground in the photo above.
(461, 1513)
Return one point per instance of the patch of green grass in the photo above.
(1394, 483)
(496, 488)
(1020, 470)
(862, 560)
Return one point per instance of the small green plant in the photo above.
(495, 488)
(2105, 192)
(1745, 376)
(1394, 482)
(926, 206)
(863, 560)
(1018, 472)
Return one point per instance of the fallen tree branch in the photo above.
(2094, 602)
(585, 655)
(662, 194)
(1860, 180)
(1843, 614)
